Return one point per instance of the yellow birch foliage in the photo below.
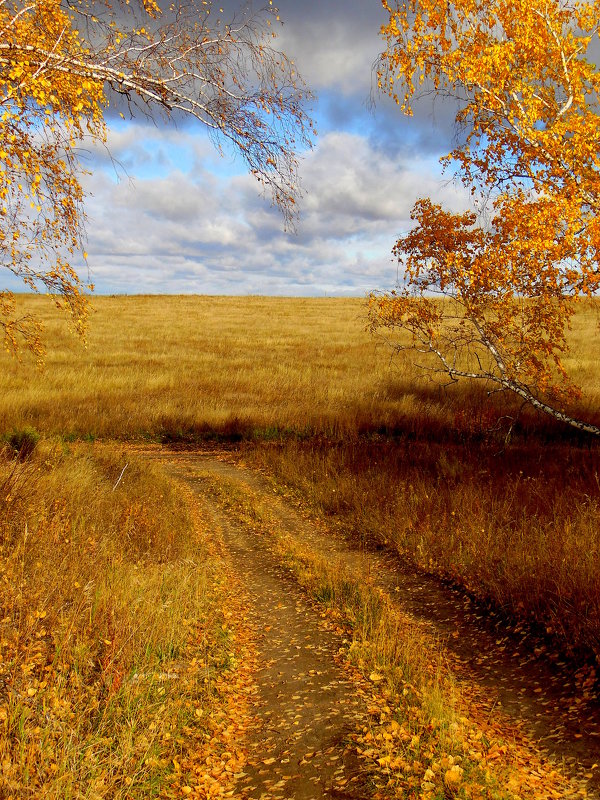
(61, 62)
(527, 94)
(44, 113)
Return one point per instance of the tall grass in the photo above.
(426, 468)
(177, 367)
(109, 622)
(518, 528)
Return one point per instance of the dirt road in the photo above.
(309, 709)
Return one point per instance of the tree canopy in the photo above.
(529, 151)
(62, 62)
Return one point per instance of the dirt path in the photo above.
(308, 706)
(301, 746)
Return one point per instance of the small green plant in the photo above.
(23, 441)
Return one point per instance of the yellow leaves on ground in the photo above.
(116, 675)
(467, 757)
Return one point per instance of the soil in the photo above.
(301, 745)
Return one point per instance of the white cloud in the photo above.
(198, 231)
(168, 214)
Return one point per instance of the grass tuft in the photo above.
(23, 442)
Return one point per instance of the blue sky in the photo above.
(167, 214)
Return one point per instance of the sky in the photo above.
(167, 214)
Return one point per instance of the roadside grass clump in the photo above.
(111, 632)
(23, 442)
(516, 527)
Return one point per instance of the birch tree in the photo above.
(510, 273)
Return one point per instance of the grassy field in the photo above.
(371, 444)
(101, 585)
(176, 366)
(185, 366)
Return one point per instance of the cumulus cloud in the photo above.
(168, 213)
(196, 230)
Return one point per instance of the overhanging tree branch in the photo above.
(61, 63)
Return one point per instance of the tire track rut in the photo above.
(308, 707)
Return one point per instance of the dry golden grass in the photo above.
(425, 737)
(102, 595)
(186, 365)
(519, 529)
(111, 637)
(422, 467)
(175, 366)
